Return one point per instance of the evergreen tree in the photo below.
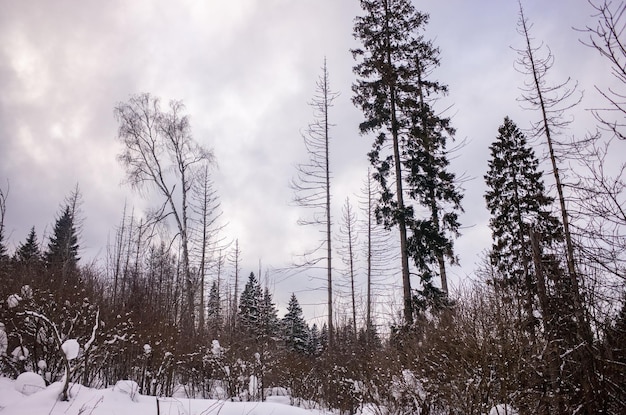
(214, 310)
(3, 249)
(518, 204)
(409, 152)
(324, 337)
(28, 260)
(248, 318)
(29, 250)
(269, 323)
(295, 329)
(315, 341)
(62, 254)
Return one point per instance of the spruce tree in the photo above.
(315, 341)
(518, 203)
(295, 329)
(3, 248)
(29, 250)
(214, 311)
(62, 255)
(28, 260)
(248, 317)
(408, 153)
(269, 323)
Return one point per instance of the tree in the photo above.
(160, 152)
(3, 210)
(600, 191)
(62, 254)
(29, 250)
(28, 258)
(235, 259)
(295, 329)
(348, 242)
(269, 323)
(517, 201)
(207, 208)
(379, 250)
(607, 38)
(214, 311)
(552, 101)
(312, 183)
(395, 96)
(249, 315)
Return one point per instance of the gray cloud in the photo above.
(245, 71)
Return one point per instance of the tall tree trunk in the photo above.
(329, 270)
(404, 256)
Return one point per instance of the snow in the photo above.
(29, 383)
(114, 400)
(503, 409)
(20, 353)
(13, 300)
(70, 348)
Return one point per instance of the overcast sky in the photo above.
(246, 70)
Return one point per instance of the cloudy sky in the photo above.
(246, 70)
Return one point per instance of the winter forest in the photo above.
(169, 309)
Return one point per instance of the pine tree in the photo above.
(295, 329)
(518, 204)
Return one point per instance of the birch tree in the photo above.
(160, 153)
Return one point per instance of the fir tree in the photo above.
(518, 204)
(295, 329)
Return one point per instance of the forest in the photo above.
(540, 326)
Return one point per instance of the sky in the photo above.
(246, 71)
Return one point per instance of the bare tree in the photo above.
(3, 210)
(235, 260)
(607, 37)
(347, 249)
(312, 184)
(206, 206)
(378, 249)
(160, 153)
(552, 102)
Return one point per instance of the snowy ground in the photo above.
(121, 401)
